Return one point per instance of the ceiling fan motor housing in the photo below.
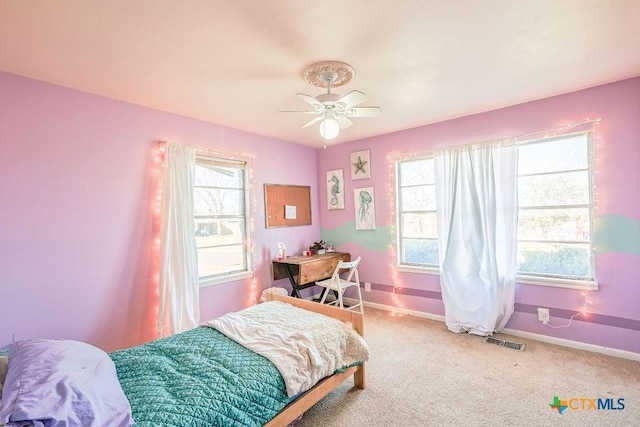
(328, 98)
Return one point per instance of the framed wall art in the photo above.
(360, 165)
(335, 189)
(364, 208)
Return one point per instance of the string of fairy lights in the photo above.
(156, 220)
(588, 125)
(250, 163)
(392, 161)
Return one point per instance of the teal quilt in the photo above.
(199, 378)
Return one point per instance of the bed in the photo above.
(211, 375)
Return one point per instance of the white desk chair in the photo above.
(339, 285)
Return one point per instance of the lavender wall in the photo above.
(76, 225)
(614, 315)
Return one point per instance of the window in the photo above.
(416, 213)
(555, 208)
(555, 211)
(221, 219)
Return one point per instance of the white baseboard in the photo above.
(403, 311)
(575, 344)
(623, 354)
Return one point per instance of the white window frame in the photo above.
(247, 272)
(560, 280)
(401, 266)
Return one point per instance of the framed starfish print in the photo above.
(360, 165)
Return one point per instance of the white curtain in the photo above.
(477, 218)
(179, 308)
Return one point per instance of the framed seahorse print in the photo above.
(335, 189)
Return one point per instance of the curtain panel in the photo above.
(477, 210)
(179, 307)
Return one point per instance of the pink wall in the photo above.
(76, 182)
(614, 319)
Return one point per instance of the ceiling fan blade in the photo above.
(343, 121)
(313, 121)
(301, 112)
(310, 99)
(363, 112)
(351, 99)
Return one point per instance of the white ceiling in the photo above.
(238, 62)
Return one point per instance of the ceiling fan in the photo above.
(334, 111)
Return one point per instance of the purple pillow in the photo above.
(62, 383)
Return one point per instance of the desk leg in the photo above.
(292, 280)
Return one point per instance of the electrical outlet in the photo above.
(543, 315)
(367, 287)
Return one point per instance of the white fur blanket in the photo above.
(305, 346)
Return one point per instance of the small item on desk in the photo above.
(317, 247)
(282, 250)
(306, 253)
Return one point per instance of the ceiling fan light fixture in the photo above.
(329, 128)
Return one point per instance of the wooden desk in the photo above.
(304, 271)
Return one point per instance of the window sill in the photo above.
(415, 269)
(218, 280)
(585, 285)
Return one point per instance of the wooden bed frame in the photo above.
(309, 398)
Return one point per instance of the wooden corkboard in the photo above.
(281, 201)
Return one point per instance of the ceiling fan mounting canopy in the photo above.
(339, 73)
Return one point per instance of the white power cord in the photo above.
(584, 311)
(562, 326)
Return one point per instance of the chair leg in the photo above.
(325, 292)
(340, 292)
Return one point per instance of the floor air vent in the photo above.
(504, 343)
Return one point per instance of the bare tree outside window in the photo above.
(220, 217)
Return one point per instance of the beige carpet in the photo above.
(420, 374)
